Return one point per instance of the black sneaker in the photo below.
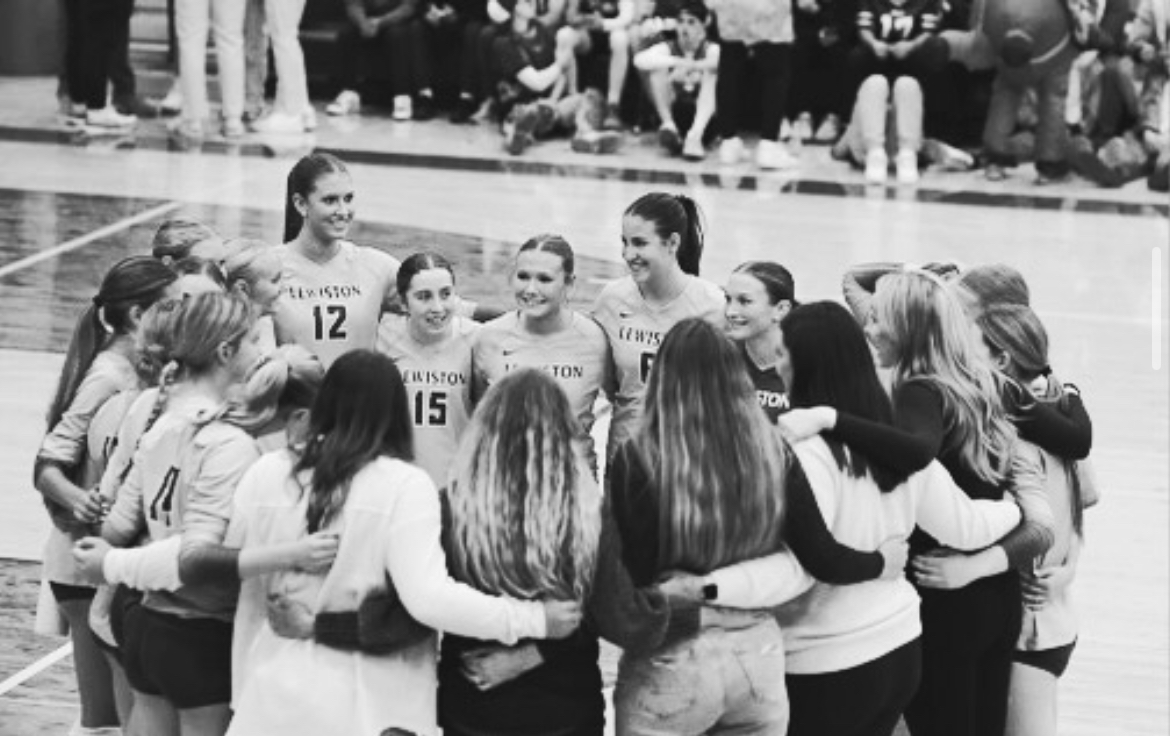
(669, 139)
(424, 107)
(464, 108)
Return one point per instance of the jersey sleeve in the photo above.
(212, 487)
(66, 442)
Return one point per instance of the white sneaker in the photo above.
(234, 128)
(906, 165)
(347, 103)
(108, 117)
(785, 129)
(403, 108)
(772, 156)
(877, 165)
(279, 122)
(693, 149)
(172, 103)
(802, 129)
(730, 151)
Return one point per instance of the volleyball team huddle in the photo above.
(276, 473)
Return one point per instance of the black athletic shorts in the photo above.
(63, 592)
(1054, 661)
(188, 661)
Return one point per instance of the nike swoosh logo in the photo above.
(624, 314)
(508, 351)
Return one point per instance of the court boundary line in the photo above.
(36, 668)
(83, 240)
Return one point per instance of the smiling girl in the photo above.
(759, 295)
(334, 290)
(662, 243)
(546, 334)
(432, 348)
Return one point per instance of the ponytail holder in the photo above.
(1046, 371)
(98, 301)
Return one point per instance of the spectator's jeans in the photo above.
(727, 679)
(255, 57)
(1051, 86)
(292, 86)
(226, 21)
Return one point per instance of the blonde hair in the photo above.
(525, 511)
(716, 463)
(290, 376)
(249, 261)
(195, 328)
(934, 343)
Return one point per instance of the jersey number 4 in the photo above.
(165, 496)
(430, 409)
(335, 312)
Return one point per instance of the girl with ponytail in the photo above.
(334, 291)
(180, 485)
(99, 363)
(662, 244)
(759, 295)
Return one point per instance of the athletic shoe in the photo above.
(945, 157)
(785, 129)
(280, 123)
(612, 120)
(519, 128)
(596, 141)
(693, 149)
(669, 139)
(186, 131)
(403, 108)
(234, 128)
(424, 107)
(829, 130)
(772, 156)
(172, 103)
(309, 119)
(463, 110)
(252, 114)
(906, 166)
(730, 151)
(72, 113)
(108, 117)
(802, 129)
(995, 172)
(348, 102)
(877, 166)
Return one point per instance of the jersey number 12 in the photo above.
(336, 329)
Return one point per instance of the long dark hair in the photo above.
(674, 213)
(716, 463)
(302, 180)
(833, 366)
(138, 281)
(361, 413)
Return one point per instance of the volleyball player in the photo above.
(100, 363)
(759, 295)
(544, 332)
(662, 244)
(432, 347)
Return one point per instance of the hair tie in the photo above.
(1046, 371)
(98, 301)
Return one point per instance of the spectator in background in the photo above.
(291, 111)
(96, 35)
(682, 74)
(255, 60)
(382, 36)
(597, 27)
(825, 33)
(224, 19)
(763, 31)
(534, 95)
(899, 53)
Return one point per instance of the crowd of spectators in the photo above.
(892, 85)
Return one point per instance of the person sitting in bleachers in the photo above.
(682, 73)
(533, 93)
(597, 27)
